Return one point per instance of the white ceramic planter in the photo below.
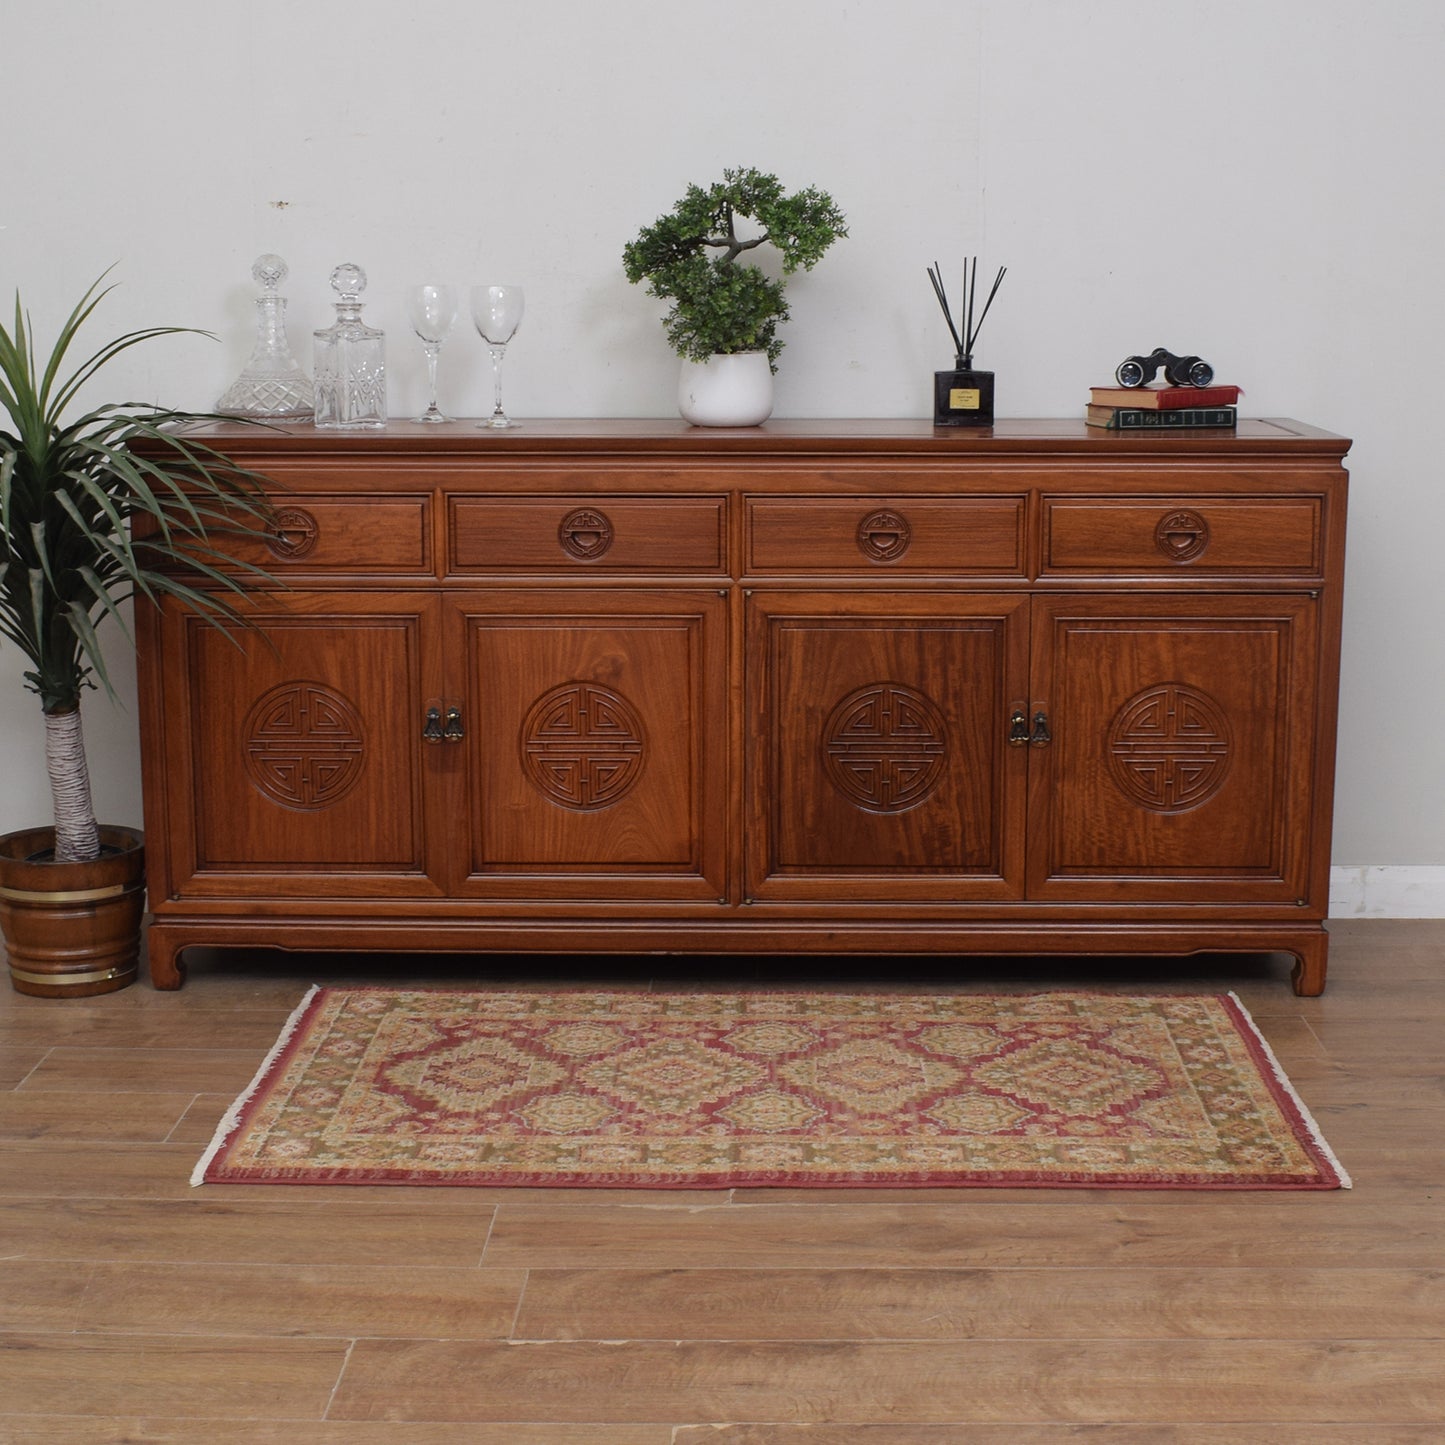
(726, 390)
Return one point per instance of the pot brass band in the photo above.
(75, 895)
(101, 975)
(585, 533)
(883, 536)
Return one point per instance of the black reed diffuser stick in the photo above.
(963, 344)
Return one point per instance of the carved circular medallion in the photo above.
(885, 747)
(883, 536)
(585, 533)
(583, 745)
(1182, 536)
(303, 745)
(293, 533)
(1170, 747)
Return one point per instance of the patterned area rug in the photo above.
(683, 1090)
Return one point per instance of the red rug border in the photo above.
(211, 1168)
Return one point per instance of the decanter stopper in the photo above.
(350, 360)
(272, 384)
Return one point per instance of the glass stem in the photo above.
(498, 352)
(432, 348)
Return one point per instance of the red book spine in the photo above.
(1164, 398)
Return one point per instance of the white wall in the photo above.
(1258, 181)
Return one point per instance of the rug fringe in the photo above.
(232, 1117)
(1282, 1079)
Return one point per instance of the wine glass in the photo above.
(497, 311)
(432, 311)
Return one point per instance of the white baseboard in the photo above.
(1387, 892)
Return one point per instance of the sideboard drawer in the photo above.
(342, 536)
(606, 533)
(1138, 535)
(898, 534)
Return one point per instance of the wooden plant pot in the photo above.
(71, 929)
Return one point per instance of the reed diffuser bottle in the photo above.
(963, 396)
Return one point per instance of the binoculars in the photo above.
(1178, 370)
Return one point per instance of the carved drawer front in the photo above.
(344, 536)
(888, 535)
(580, 533)
(1183, 534)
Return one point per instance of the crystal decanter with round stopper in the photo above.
(273, 383)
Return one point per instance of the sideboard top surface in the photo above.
(1016, 439)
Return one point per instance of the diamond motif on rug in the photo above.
(469, 1075)
(1074, 1076)
(567, 1114)
(870, 1076)
(979, 1114)
(577, 1088)
(582, 1041)
(771, 1037)
(671, 1076)
(771, 1112)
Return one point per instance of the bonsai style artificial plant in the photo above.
(88, 521)
(691, 257)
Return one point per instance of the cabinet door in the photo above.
(879, 766)
(293, 761)
(1182, 752)
(595, 761)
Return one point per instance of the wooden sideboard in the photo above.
(823, 687)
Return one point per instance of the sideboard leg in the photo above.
(1311, 957)
(164, 954)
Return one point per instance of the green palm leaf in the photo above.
(88, 520)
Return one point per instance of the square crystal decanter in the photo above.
(350, 360)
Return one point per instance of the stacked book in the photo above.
(1134, 408)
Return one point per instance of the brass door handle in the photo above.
(1018, 728)
(432, 729)
(1042, 737)
(452, 730)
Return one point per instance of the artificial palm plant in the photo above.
(93, 511)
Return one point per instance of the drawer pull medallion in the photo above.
(293, 533)
(1018, 729)
(452, 730)
(1182, 536)
(1042, 737)
(883, 536)
(431, 731)
(585, 534)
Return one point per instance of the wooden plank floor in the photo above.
(135, 1308)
